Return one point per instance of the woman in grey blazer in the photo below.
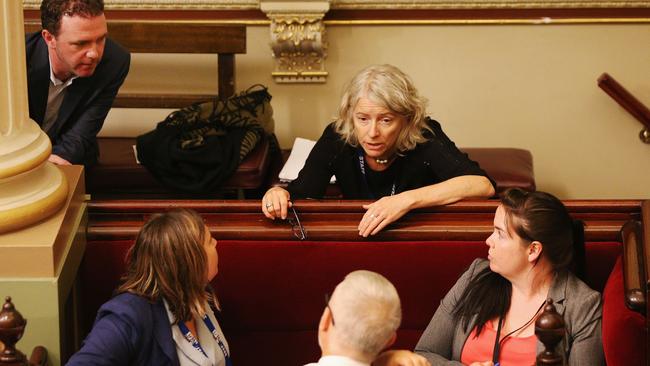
(536, 251)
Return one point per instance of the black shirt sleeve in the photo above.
(434, 161)
(442, 159)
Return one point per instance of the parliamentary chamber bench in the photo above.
(271, 285)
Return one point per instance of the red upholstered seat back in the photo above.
(278, 294)
(624, 334)
(272, 292)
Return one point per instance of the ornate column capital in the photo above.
(298, 39)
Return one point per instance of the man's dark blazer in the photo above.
(86, 102)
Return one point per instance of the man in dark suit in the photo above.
(74, 72)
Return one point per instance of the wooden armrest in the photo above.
(634, 274)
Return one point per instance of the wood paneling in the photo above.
(338, 220)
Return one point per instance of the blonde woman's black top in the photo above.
(434, 161)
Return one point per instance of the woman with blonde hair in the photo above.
(163, 311)
(383, 147)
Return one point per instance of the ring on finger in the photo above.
(269, 205)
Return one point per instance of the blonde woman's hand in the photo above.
(382, 212)
(400, 358)
(276, 203)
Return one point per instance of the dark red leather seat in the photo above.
(509, 167)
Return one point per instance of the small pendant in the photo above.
(381, 161)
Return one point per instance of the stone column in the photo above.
(31, 189)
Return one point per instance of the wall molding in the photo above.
(368, 4)
(484, 4)
(167, 4)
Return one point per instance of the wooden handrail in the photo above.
(628, 101)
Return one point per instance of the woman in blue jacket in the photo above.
(163, 313)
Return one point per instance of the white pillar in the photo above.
(31, 189)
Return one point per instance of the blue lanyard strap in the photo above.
(364, 180)
(217, 337)
(215, 334)
(190, 338)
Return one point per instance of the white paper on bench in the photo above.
(299, 153)
(135, 154)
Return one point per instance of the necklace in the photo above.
(382, 161)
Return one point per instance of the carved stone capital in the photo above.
(298, 40)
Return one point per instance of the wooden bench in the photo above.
(174, 37)
(271, 284)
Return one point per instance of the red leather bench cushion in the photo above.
(272, 292)
(117, 171)
(624, 335)
(509, 167)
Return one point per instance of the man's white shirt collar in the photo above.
(57, 82)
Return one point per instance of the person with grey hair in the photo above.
(359, 321)
(383, 147)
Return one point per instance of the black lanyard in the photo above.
(496, 352)
(364, 180)
(195, 343)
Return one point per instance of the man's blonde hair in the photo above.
(168, 260)
(391, 88)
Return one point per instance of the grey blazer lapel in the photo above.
(460, 337)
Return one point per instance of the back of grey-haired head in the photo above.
(367, 312)
(391, 88)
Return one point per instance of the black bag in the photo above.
(197, 148)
